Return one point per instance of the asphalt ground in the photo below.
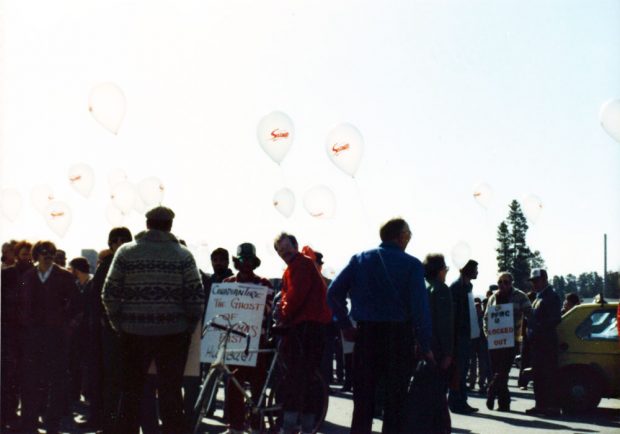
(605, 419)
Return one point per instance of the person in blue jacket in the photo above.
(389, 301)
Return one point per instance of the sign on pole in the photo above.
(501, 326)
(237, 302)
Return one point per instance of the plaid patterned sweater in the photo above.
(153, 287)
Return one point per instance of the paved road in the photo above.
(606, 419)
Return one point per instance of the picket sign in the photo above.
(237, 302)
(501, 326)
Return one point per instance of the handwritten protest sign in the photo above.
(237, 302)
(501, 325)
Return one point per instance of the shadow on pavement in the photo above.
(332, 428)
(531, 423)
(607, 417)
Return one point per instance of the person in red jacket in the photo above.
(303, 309)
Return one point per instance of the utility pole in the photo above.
(604, 263)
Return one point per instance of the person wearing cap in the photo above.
(245, 262)
(153, 297)
(544, 345)
(389, 301)
(466, 329)
(502, 358)
(303, 310)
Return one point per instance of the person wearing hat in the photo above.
(245, 262)
(543, 339)
(153, 297)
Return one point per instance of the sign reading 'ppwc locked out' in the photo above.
(236, 302)
(501, 326)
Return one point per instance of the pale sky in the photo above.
(447, 94)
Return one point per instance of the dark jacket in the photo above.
(460, 291)
(97, 317)
(541, 325)
(12, 283)
(442, 316)
(50, 304)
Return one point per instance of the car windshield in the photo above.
(599, 325)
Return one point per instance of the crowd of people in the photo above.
(119, 339)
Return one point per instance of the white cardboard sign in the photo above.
(237, 302)
(501, 326)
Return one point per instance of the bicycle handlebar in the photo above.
(230, 329)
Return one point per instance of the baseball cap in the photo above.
(538, 273)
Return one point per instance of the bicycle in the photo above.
(268, 406)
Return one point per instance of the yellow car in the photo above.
(589, 356)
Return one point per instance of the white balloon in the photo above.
(275, 134)
(11, 203)
(284, 201)
(329, 271)
(345, 147)
(116, 176)
(483, 193)
(139, 206)
(124, 196)
(151, 191)
(320, 202)
(58, 217)
(610, 118)
(461, 253)
(532, 207)
(40, 196)
(114, 215)
(82, 178)
(107, 105)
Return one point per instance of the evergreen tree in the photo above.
(559, 284)
(571, 284)
(504, 250)
(513, 253)
(537, 261)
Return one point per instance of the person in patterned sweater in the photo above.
(153, 297)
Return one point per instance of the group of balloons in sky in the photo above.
(344, 146)
(125, 197)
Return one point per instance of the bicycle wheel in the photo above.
(205, 398)
(319, 393)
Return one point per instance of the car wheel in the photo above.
(580, 389)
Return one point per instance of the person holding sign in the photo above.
(246, 262)
(504, 314)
